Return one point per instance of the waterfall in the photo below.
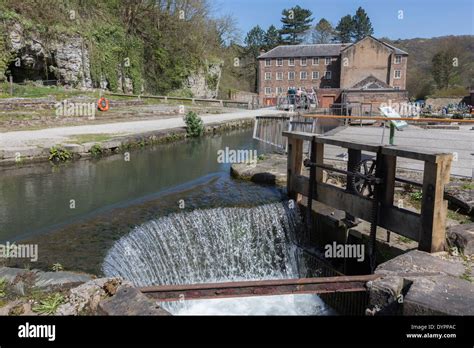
(216, 245)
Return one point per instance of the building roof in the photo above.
(315, 50)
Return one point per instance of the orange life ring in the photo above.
(103, 104)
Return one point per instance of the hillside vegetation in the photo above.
(157, 43)
(420, 81)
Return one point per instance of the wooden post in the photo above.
(294, 166)
(319, 178)
(11, 84)
(434, 207)
(389, 164)
(354, 157)
(389, 169)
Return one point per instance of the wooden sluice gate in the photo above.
(370, 186)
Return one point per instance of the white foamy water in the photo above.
(216, 245)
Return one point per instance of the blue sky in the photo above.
(422, 18)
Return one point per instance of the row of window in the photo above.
(303, 61)
(315, 61)
(280, 90)
(314, 75)
(303, 75)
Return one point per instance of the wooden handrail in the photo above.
(379, 118)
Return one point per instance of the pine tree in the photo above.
(362, 26)
(255, 41)
(272, 38)
(344, 29)
(296, 22)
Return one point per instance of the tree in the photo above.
(254, 41)
(296, 22)
(362, 26)
(272, 38)
(323, 32)
(344, 29)
(443, 69)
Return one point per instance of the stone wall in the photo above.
(242, 96)
(376, 97)
(370, 57)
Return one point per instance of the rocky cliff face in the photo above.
(65, 59)
(205, 83)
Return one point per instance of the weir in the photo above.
(261, 251)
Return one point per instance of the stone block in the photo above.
(462, 237)
(384, 294)
(417, 261)
(49, 280)
(130, 301)
(441, 295)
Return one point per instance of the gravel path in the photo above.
(51, 136)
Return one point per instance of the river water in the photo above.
(170, 215)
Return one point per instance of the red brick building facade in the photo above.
(366, 71)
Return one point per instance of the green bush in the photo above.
(59, 154)
(97, 150)
(194, 124)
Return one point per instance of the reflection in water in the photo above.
(37, 198)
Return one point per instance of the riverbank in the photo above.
(102, 139)
(33, 293)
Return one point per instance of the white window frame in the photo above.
(305, 61)
(268, 62)
(268, 76)
(398, 59)
(294, 75)
(279, 90)
(327, 61)
(399, 74)
(316, 59)
(279, 62)
(317, 75)
(268, 90)
(326, 73)
(291, 61)
(279, 76)
(301, 75)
